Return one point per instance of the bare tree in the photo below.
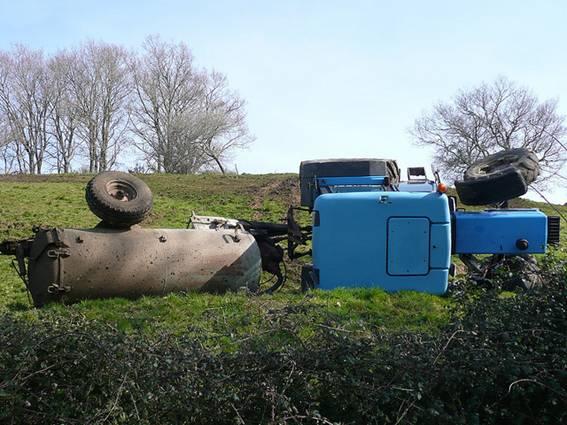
(184, 119)
(168, 90)
(25, 104)
(7, 159)
(5, 133)
(490, 118)
(224, 121)
(64, 117)
(7, 156)
(97, 99)
(100, 87)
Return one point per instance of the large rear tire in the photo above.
(118, 199)
(498, 177)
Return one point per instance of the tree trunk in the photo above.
(219, 163)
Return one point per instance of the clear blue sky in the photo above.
(327, 78)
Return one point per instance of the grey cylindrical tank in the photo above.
(69, 265)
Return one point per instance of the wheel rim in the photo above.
(121, 191)
(493, 166)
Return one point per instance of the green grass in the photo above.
(217, 321)
(59, 200)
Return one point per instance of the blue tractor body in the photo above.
(500, 231)
(368, 232)
(393, 240)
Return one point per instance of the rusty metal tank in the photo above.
(68, 265)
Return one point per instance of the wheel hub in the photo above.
(121, 190)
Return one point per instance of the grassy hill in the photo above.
(26, 201)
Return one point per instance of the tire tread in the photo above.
(117, 214)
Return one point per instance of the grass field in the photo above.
(218, 321)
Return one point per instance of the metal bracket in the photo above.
(58, 252)
(57, 289)
(297, 235)
(472, 264)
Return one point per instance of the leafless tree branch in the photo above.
(490, 118)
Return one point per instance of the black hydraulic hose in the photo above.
(281, 278)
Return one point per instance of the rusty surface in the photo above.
(71, 265)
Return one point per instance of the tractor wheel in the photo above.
(498, 177)
(118, 199)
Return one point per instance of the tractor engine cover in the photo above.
(391, 240)
(69, 265)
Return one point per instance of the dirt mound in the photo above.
(283, 190)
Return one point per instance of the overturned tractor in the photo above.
(368, 229)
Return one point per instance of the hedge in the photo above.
(502, 359)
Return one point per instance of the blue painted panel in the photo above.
(374, 205)
(350, 244)
(440, 250)
(408, 246)
(351, 181)
(496, 231)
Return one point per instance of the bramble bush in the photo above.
(502, 359)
